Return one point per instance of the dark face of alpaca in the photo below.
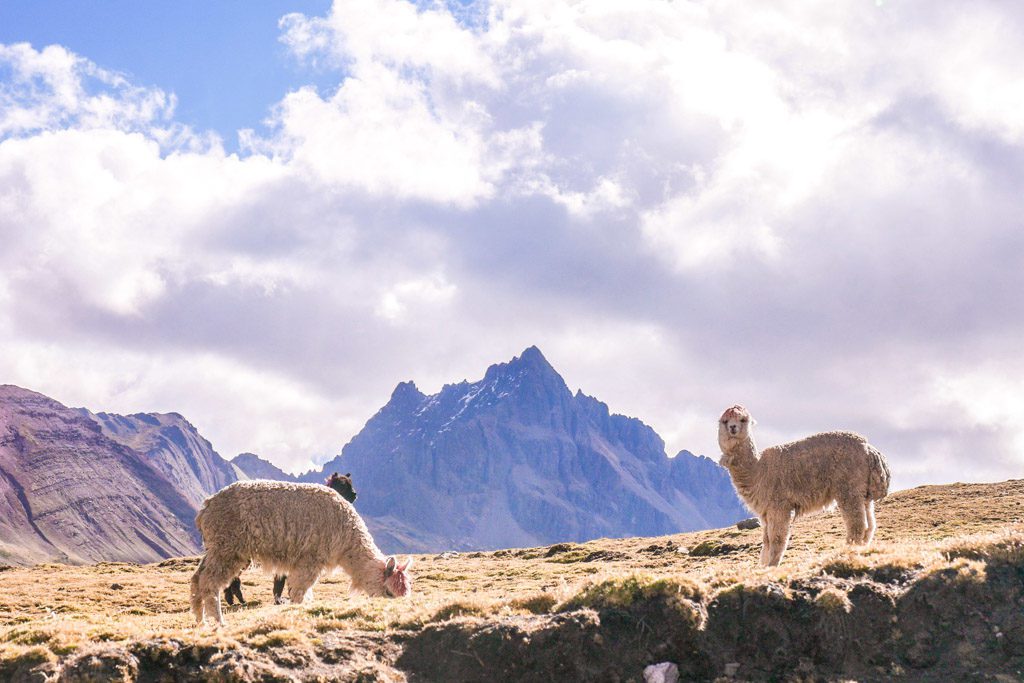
(343, 485)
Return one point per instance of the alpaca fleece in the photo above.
(302, 530)
(783, 482)
(340, 483)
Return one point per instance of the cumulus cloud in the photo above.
(53, 88)
(813, 212)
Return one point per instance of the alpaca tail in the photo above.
(878, 474)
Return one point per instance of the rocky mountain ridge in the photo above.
(514, 459)
(174, 447)
(255, 467)
(517, 459)
(70, 493)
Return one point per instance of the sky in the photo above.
(265, 215)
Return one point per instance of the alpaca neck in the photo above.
(743, 466)
(364, 563)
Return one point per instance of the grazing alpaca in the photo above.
(303, 530)
(784, 482)
(341, 484)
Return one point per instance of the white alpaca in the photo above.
(302, 530)
(784, 482)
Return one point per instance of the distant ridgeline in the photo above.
(82, 487)
(514, 459)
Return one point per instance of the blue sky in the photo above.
(223, 60)
(811, 210)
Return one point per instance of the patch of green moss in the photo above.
(624, 592)
(442, 576)
(560, 548)
(713, 548)
(541, 603)
(276, 639)
(28, 637)
(460, 609)
(332, 613)
(1004, 551)
(833, 600)
(569, 557)
(960, 571)
(853, 567)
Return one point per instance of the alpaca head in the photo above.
(343, 485)
(733, 427)
(397, 580)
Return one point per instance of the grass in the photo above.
(50, 611)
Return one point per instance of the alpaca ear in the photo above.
(389, 567)
(408, 563)
(348, 474)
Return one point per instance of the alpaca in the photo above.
(303, 530)
(341, 484)
(784, 482)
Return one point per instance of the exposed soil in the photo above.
(957, 624)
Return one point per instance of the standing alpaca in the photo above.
(341, 484)
(303, 530)
(784, 482)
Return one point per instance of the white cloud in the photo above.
(392, 33)
(380, 134)
(395, 301)
(110, 217)
(53, 88)
(986, 397)
(270, 413)
(686, 205)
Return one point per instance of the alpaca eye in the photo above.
(744, 420)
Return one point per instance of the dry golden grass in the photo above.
(50, 611)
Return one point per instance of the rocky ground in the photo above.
(939, 597)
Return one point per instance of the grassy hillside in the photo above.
(940, 591)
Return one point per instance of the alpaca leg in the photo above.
(299, 584)
(196, 597)
(855, 516)
(765, 543)
(279, 580)
(777, 525)
(214, 573)
(869, 511)
(211, 605)
(233, 591)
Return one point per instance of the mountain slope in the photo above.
(255, 467)
(70, 493)
(516, 459)
(174, 447)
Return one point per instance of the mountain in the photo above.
(255, 467)
(517, 459)
(71, 493)
(174, 447)
(514, 459)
